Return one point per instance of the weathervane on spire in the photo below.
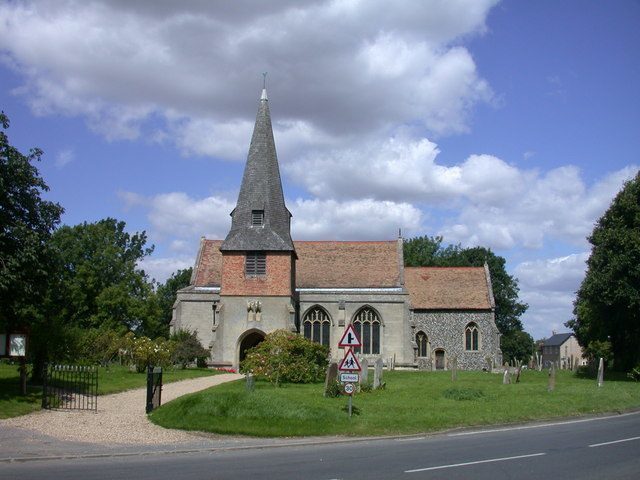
(264, 80)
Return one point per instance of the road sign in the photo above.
(350, 362)
(349, 377)
(349, 388)
(349, 338)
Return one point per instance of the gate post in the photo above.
(45, 387)
(154, 387)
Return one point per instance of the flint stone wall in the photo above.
(445, 330)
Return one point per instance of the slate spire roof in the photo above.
(261, 191)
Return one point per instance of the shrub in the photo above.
(99, 345)
(187, 349)
(463, 393)
(286, 357)
(634, 374)
(333, 390)
(146, 352)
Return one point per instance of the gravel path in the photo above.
(120, 419)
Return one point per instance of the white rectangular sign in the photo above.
(349, 377)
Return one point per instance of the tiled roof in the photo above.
(557, 339)
(208, 271)
(347, 264)
(261, 189)
(321, 264)
(444, 288)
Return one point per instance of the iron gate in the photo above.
(70, 387)
(154, 387)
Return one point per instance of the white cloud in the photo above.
(64, 157)
(177, 216)
(160, 269)
(549, 287)
(139, 63)
(365, 219)
(531, 207)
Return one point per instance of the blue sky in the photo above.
(505, 124)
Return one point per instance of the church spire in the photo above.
(260, 220)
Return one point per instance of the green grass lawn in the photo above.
(412, 402)
(110, 380)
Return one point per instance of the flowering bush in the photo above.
(287, 357)
(145, 352)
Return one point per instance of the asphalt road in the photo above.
(594, 448)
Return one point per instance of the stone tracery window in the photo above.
(317, 325)
(471, 337)
(367, 326)
(422, 341)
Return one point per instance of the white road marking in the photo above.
(553, 424)
(614, 441)
(439, 467)
(409, 439)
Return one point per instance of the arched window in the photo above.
(422, 340)
(367, 326)
(471, 337)
(316, 325)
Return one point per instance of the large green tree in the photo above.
(607, 305)
(99, 282)
(166, 295)
(428, 251)
(26, 224)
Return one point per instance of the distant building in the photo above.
(258, 280)
(563, 348)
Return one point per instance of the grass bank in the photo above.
(412, 402)
(110, 380)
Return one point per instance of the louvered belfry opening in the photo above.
(256, 264)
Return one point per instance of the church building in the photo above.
(258, 280)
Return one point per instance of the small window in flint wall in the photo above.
(255, 263)
(257, 218)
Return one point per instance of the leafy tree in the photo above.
(26, 224)
(187, 349)
(166, 295)
(99, 283)
(429, 252)
(517, 345)
(607, 305)
(286, 357)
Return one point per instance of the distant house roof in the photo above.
(444, 288)
(320, 264)
(557, 339)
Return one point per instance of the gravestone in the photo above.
(552, 378)
(601, 372)
(330, 378)
(506, 378)
(454, 369)
(364, 374)
(250, 382)
(377, 374)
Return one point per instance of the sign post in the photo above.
(349, 366)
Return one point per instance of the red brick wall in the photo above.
(276, 282)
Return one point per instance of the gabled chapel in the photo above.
(258, 280)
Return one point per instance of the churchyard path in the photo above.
(120, 419)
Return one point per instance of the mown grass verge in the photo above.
(113, 379)
(412, 402)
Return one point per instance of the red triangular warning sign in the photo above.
(349, 338)
(349, 362)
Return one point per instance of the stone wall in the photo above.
(445, 330)
(342, 306)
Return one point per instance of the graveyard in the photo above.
(411, 402)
